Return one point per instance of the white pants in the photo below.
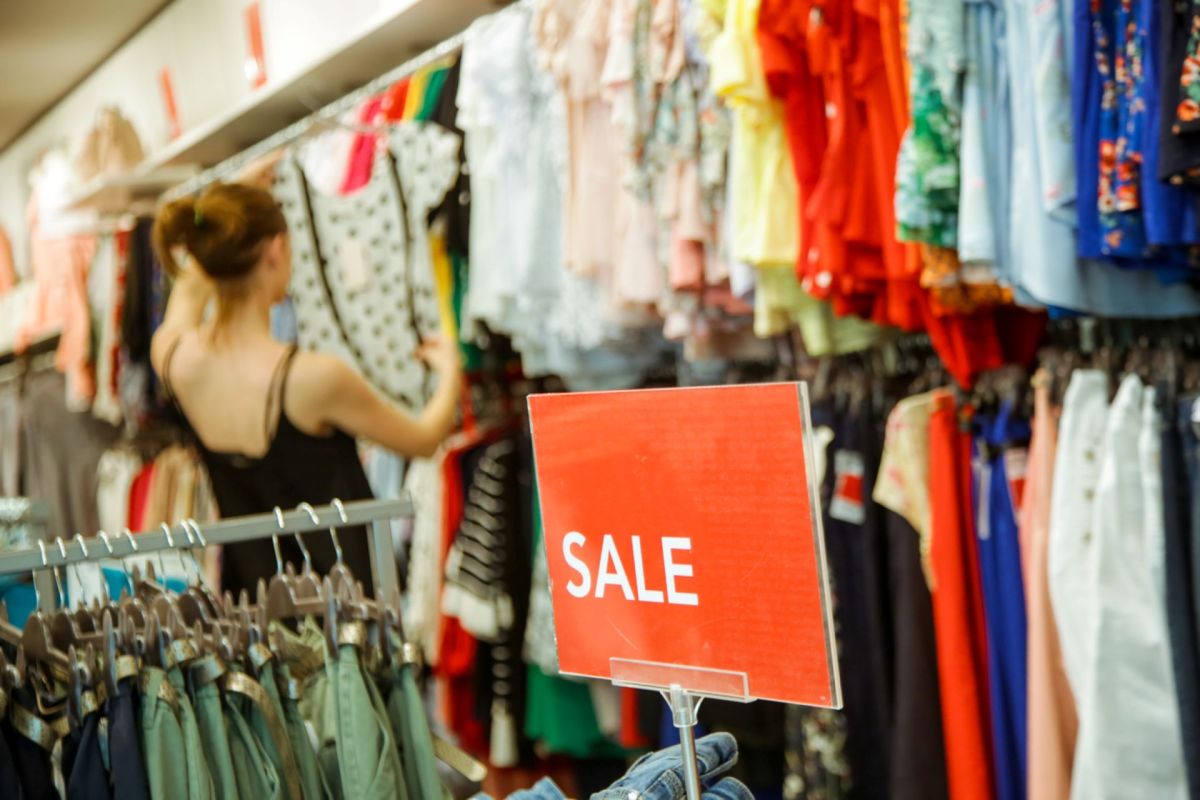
(1129, 740)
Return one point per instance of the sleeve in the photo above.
(730, 63)
(1052, 110)
(427, 157)
(779, 54)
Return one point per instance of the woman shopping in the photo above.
(274, 427)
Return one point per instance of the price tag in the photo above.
(355, 268)
(683, 540)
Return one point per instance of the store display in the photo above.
(970, 227)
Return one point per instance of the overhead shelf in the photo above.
(405, 29)
(119, 193)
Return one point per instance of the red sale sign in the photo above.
(683, 541)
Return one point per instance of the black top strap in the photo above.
(274, 405)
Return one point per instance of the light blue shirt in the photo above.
(1045, 265)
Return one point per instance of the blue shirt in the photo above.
(1003, 600)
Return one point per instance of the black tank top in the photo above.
(297, 468)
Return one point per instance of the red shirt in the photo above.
(958, 614)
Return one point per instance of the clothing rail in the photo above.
(237, 529)
(300, 128)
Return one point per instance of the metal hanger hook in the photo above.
(37, 594)
(316, 520)
(124, 563)
(103, 537)
(195, 526)
(162, 567)
(275, 540)
(190, 526)
(337, 543)
(83, 548)
(187, 532)
(62, 551)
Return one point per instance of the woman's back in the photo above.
(236, 402)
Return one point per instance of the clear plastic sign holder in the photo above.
(684, 688)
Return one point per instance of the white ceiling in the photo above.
(49, 46)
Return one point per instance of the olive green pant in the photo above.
(411, 728)
(357, 751)
(237, 760)
(200, 784)
(170, 771)
(210, 718)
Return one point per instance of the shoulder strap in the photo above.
(275, 393)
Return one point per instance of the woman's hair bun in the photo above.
(223, 229)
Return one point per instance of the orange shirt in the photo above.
(804, 58)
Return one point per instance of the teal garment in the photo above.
(411, 728)
(163, 750)
(305, 658)
(200, 784)
(368, 762)
(312, 781)
(266, 721)
(252, 768)
(210, 719)
(560, 715)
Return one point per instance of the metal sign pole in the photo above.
(683, 712)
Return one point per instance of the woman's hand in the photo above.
(440, 354)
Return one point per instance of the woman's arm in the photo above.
(185, 310)
(349, 403)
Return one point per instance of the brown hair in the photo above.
(223, 229)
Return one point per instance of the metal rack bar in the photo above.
(238, 529)
(299, 129)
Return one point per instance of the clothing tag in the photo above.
(983, 483)
(1016, 464)
(822, 436)
(847, 504)
(356, 273)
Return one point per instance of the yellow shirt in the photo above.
(443, 281)
(763, 189)
(763, 193)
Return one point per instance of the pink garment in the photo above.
(692, 238)
(59, 304)
(362, 153)
(8, 271)
(611, 235)
(1052, 720)
(571, 39)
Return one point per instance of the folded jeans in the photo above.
(659, 776)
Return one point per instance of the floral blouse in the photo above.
(927, 170)
(1120, 45)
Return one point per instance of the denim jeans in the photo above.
(659, 776)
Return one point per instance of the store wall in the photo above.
(203, 42)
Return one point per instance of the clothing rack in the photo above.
(323, 116)
(238, 529)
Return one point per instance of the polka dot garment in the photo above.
(362, 279)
